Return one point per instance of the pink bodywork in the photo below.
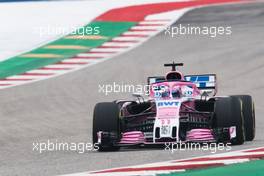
(166, 113)
(197, 135)
(200, 135)
(132, 137)
(173, 85)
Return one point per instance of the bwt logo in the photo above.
(168, 103)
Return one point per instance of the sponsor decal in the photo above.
(165, 130)
(168, 104)
(232, 132)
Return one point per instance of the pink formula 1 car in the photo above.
(179, 109)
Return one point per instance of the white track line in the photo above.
(74, 60)
(127, 44)
(60, 66)
(93, 55)
(28, 76)
(148, 33)
(46, 71)
(155, 28)
(153, 22)
(128, 39)
(108, 49)
(10, 82)
(137, 173)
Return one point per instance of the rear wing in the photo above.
(155, 79)
(205, 83)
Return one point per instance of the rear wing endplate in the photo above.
(155, 79)
(205, 83)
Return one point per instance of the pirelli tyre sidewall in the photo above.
(228, 112)
(249, 116)
(106, 118)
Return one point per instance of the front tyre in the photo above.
(249, 116)
(228, 112)
(106, 119)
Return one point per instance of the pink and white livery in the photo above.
(179, 109)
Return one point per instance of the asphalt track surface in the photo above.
(61, 108)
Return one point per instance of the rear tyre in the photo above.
(228, 112)
(249, 116)
(106, 119)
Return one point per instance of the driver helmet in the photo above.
(176, 92)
